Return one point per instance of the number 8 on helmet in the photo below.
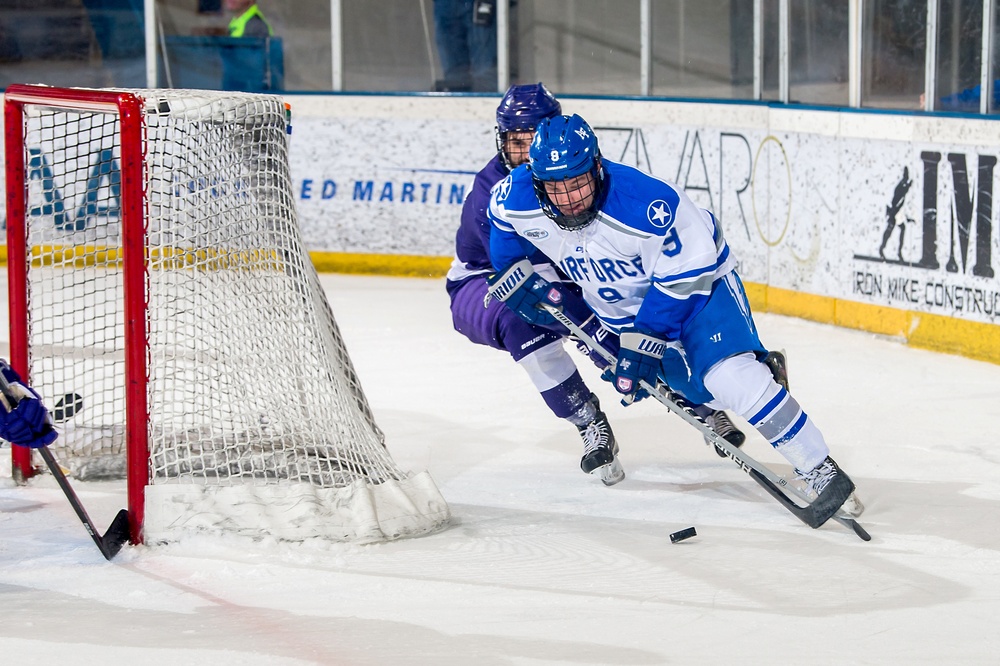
(565, 162)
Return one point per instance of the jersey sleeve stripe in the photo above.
(497, 213)
(723, 254)
(524, 215)
(502, 226)
(687, 275)
(685, 289)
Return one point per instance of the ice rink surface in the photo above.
(544, 565)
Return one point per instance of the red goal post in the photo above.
(158, 282)
(129, 108)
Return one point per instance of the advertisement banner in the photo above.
(875, 209)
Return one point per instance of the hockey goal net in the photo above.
(163, 304)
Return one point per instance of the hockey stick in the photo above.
(118, 532)
(813, 514)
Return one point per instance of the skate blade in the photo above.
(612, 473)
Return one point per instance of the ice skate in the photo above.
(724, 428)
(828, 479)
(600, 450)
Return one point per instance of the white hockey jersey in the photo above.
(649, 259)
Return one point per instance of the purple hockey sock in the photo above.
(566, 399)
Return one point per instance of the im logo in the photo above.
(969, 221)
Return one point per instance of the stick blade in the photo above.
(854, 525)
(116, 536)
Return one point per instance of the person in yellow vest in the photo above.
(249, 20)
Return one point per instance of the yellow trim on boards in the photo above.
(400, 265)
(927, 331)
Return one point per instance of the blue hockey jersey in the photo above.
(649, 259)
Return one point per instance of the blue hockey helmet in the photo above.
(565, 149)
(520, 110)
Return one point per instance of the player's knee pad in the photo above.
(548, 366)
(740, 382)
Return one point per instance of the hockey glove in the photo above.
(606, 339)
(524, 291)
(23, 418)
(638, 360)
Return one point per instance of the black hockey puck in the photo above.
(680, 535)
(67, 407)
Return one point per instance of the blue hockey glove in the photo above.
(638, 360)
(524, 291)
(23, 418)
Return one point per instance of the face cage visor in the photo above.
(501, 139)
(574, 199)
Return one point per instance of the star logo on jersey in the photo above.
(503, 189)
(659, 214)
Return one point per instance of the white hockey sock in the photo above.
(548, 366)
(744, 385)
(779, 418)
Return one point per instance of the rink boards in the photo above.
(871, 220)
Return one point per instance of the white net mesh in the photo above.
(249, 382)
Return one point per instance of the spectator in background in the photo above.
(967, 100)
(466, 36)
(119, 31)
(256, 63)
(249, 20)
